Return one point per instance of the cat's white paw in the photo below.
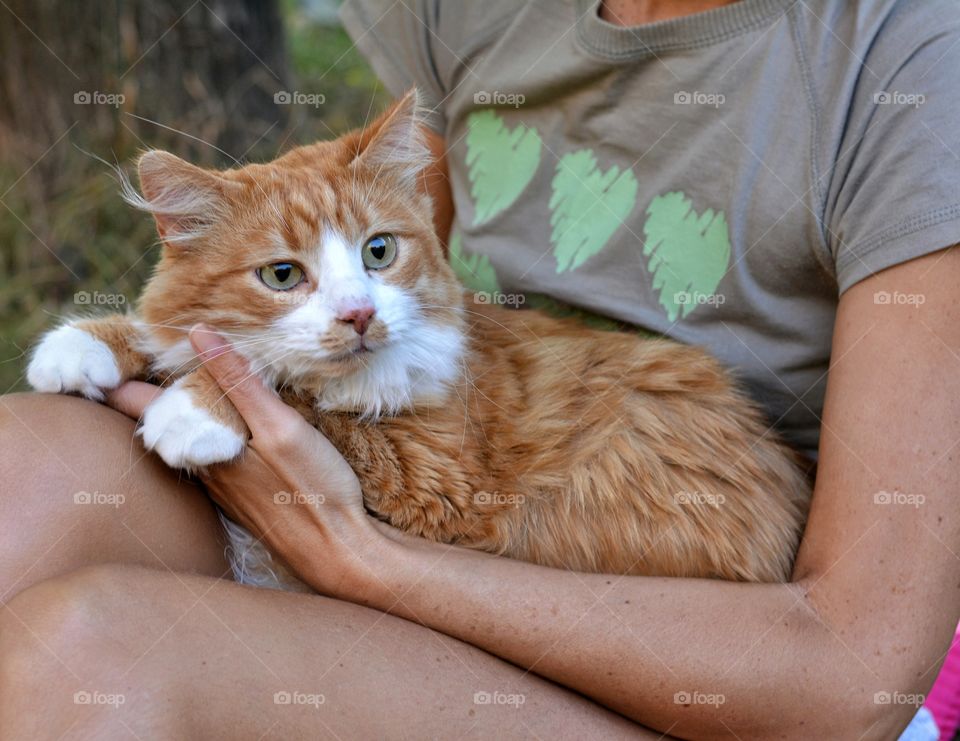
(185, 435)
(71, 360)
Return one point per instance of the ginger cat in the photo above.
(502, 430)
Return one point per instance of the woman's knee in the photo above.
(64, 663)
(44, 629)
(78, 489)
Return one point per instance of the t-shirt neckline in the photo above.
(614, 42)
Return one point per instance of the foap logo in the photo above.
(83, 97)
(97, 497)
(697, 97)
(297, 497)
(314, 699)
(699, 497)
(94, 697)
(513, 700)
(499, 299)
(290, 298)
(899, 499)
(296, 97)
(696, 298)
(487, 498)
(896, 298)
(499, 98)
(95, 298)
(895, 97)
(699, 698)
(883, 697)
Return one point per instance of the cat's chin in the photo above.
(342, 365)
(391, 378)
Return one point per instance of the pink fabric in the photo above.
(944, 698)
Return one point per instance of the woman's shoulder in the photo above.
(863, 29)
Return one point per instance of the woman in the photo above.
(742, 175)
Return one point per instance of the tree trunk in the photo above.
(209, 68)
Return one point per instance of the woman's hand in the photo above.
(292, 488)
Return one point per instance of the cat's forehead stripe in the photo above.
(298, 201)
(311, 205)
(278, 240)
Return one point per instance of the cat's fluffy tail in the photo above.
(253, 564)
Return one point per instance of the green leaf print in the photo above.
(587, 206)
(689, 252)
(501, 162)
(474, 271)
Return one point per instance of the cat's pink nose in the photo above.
(358, 316)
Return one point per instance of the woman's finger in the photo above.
(258, 405)
(132, 397)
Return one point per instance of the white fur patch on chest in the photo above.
(405, 374)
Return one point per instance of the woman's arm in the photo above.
(866, 621)
(876, 595)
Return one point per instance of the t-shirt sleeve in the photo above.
(895, 188)
(399, 41)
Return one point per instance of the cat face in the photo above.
(321, 267)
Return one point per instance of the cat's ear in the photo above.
(395, 143)
(183, 198)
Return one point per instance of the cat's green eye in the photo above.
(379, 251)
(281, 276)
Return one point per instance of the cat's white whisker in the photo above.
(192, 360)
(253, 372)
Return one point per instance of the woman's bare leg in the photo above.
(112, 652)
(77, 488)
(195, 657)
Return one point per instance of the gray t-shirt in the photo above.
(719, 178)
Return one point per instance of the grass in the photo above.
(64, 228)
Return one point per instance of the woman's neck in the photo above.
(638, 12)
